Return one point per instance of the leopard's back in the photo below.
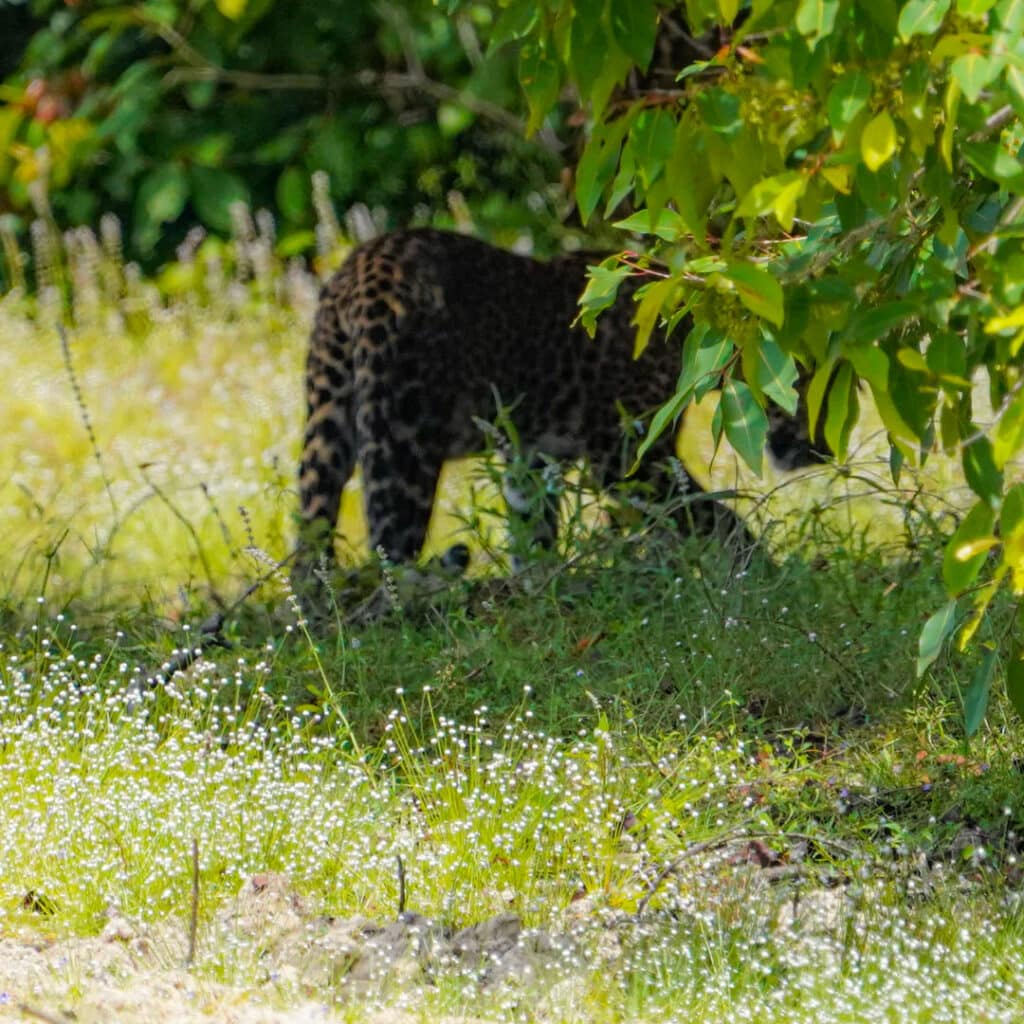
(458, 322)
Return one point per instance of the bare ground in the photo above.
(282, 963)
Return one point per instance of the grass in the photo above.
(716, 828)
(726, 789)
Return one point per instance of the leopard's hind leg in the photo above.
(402, 451)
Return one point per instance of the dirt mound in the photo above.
(270, 958)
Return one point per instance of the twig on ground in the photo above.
(193, 921)
(210, 634)
(401, 884)
(838, 844)
(691, 851)
(50, 1018)
(734, 835)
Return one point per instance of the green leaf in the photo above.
(335, 148)
(597, 165)
(974, 71)
(603, 283)
(912, 359)
(211, 150)
(882, 13)
(1008, 434)
(776, 374)
(758, 290)
(745, 423)
(625, 182)
(870, 363)
(778, 195)
(1011, 15)
(163, 192)
(991, 160)
(974, 8)
(705, 354)
(635, 24)
(616, 66)
(294, 193)
(692, 185)
(843, 408)
(981, 599)
(668, 225)
(295, 242)
(817, 389)
(934, 635)
(652, 138)
(721, 111)
(980, 470)
(895, 464)
(874, 324)
(716, 427)
(879, 141)
(849, 96)
(587, 44)
(1008, 322)
(976, 696)
(947, 358)
(968, 548)
(214, 192)
(161, 198)
(921, 17)
(816, 17)
(516, 21)
(907, 406)
(1015, 681)
(233, 9)
(660, 422)
(540, 77)
(1011, 529)
(650, 301)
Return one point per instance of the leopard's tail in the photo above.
(329, 450)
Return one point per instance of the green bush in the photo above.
(166, 113)
(831, 182)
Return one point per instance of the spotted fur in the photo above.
(419, 333)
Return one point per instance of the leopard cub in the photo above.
(422, 332)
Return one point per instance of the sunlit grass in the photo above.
(196, 423)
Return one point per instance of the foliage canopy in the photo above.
(167, 112)
(831, 182)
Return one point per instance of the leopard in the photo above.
(420, 337)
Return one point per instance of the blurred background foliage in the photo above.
(166, 112)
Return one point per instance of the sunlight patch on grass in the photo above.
(199, 418)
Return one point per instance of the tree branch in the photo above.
(412, 81)
(199, 68)
(245, 79)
